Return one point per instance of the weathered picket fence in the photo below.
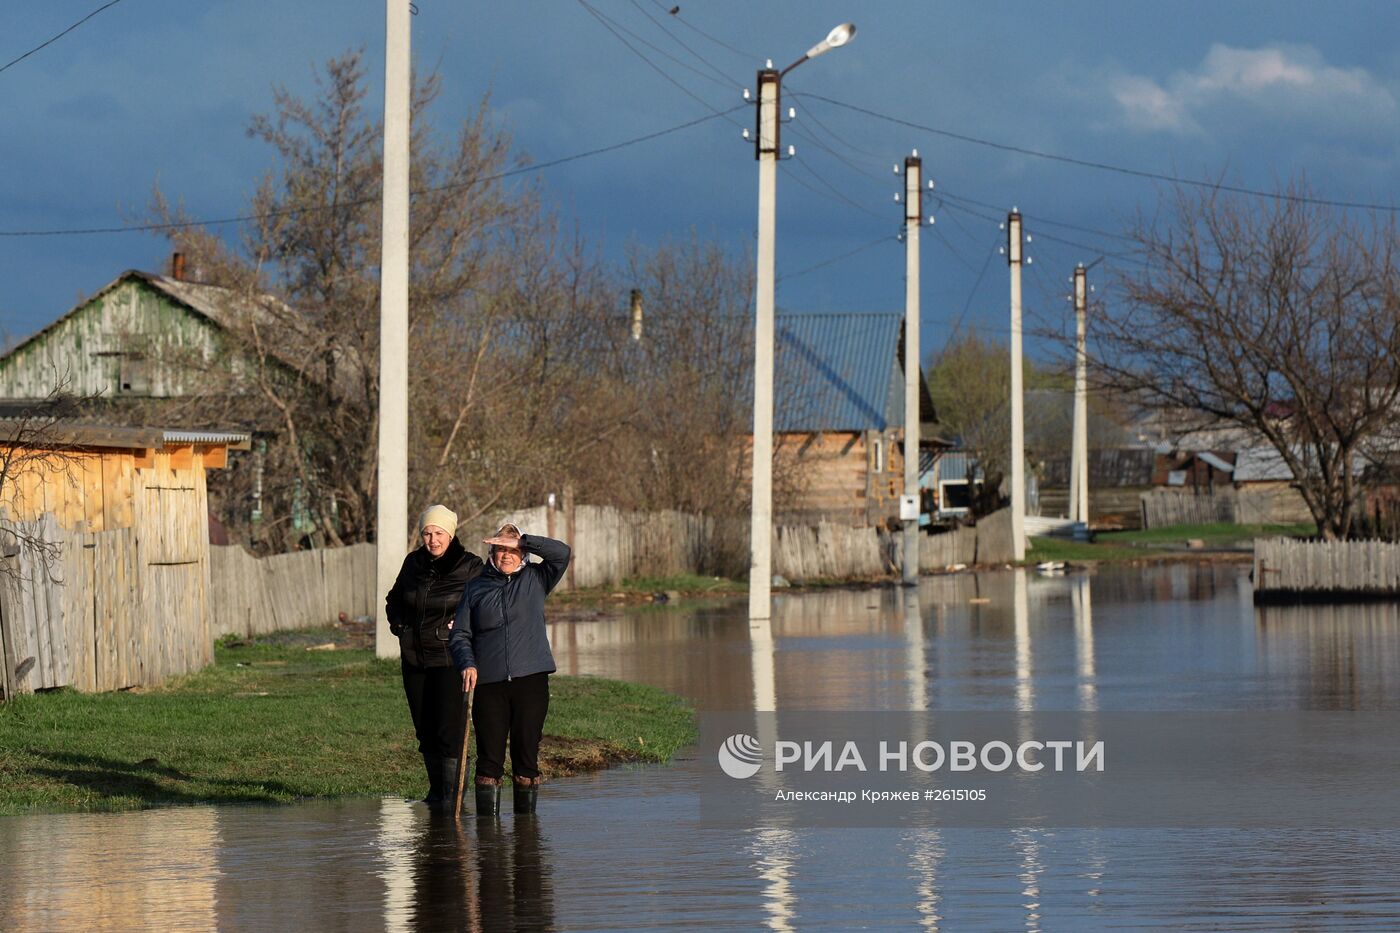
(305, 589)
(1288, 569)
(84, 610)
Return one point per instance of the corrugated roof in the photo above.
(240, 439)
(76, 434)
(837, 372)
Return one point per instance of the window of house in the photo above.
(879, 455)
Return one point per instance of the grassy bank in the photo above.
(1158, 543)
(272, 723)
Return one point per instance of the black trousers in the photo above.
(513, 709)
(436, 702)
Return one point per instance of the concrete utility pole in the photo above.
(392, 519)
(761, 528)
(1079, 461)
(913, 217)
(1018, 414)
(766, 150)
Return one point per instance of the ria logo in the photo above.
(740, 756)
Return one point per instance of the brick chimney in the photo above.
(177, 266)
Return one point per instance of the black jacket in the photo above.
(500, 621)
(423, 600)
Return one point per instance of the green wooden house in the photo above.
(141, 336)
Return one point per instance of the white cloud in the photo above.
(1287, 83)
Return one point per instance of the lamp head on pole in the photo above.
(834, 40)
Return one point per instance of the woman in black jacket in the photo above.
(500, 646)
(420, 608)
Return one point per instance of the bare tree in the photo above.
(305, 367)
(1278, 315)
(970, 383)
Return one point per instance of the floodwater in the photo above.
(624, 849)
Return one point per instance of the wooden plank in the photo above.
(93, 491)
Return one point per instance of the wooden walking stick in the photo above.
(463, 762)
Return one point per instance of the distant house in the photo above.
(839, 414)
(1266, 489)
(131, 352)
(1117, 479)
(141, 336)
(1121, 466)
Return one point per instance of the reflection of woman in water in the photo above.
(500, 645)
(497, 880)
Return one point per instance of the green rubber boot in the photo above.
(488, 796)
(433, 765)
(527, 792)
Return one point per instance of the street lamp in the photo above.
(766, 151)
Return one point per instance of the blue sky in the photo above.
(1251, 92)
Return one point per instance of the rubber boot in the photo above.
(448, 771)
(488, 796)
(527, 791)
(434, 766)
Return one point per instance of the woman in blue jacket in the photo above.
(500, 646)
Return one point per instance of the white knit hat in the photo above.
(441, 516)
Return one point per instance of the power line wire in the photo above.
(747, 56)
(50, 41)
(837, 192)
(1109, 167)
(609, 26)
(834, 259)
(244, 218)
(726, 78)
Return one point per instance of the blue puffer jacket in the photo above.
(499, 628)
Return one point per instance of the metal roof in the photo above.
(238, 439)
(1216, 462)
(837, 372)
(76, 434)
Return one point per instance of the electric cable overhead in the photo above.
(52, 39)
(673, 12)
(610, 27)
(835, 259)
(244, 218)
(1109, 167)
(725, 77)
(835, 191)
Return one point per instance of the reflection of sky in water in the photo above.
(623, 849)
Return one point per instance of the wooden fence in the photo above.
(304, 589)
(83, 611)
(1288, 570)
(1162, 507)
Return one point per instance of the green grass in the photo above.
(273, 724)
(1218, 533)
(1138, 545)
(1046, 548)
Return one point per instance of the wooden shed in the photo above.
(105, 581)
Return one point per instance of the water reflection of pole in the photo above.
(395, 844)
(917, 651)
(1082, 603)
(773, 859)
(928, 852)
(1028, 842)
(1025, 691)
